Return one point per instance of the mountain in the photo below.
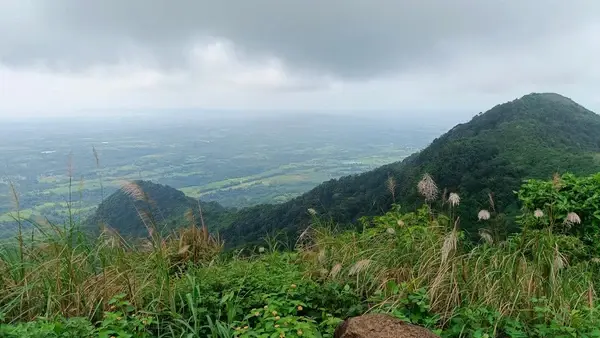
(531, 137)
(141, 202)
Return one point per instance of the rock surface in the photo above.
(380, 326)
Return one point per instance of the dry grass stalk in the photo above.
(133, 190)
(556, 181)
(14, 196)
(560, 261)
(590, 295)
(96, 157)
(391, 187)
(359, 266)
(491, 200)
(335, 270)
(449, 245)
(193, 244)
(486, 236)
(322, 256)
(427, 188)
(70, 165)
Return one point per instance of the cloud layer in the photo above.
(333, 54)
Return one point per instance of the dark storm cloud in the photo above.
(346, 38)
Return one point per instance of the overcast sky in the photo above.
(62, 57)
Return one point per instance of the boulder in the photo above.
(380, 326)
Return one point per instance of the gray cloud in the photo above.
(353, 39)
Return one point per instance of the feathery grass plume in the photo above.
(427, 188)
(133, 190)
(110, 237)
(361, 265)
(146, 246)
(483, 215)
(191, 244)
(454, 199)
(560, 261)
(312, 211)
(444, 196)
(190, 217)
(17, 218)
(70, 164)
(306, 239)
(14, 196)
(590, 295)
(391, 186)
(449, 245)
(538, 213)
(486, 236)
(97, 158)
(184, 249)
(335, 270)
(322, 256)
(556, 181)
(201, 215)
(571, 219)
(491, 200)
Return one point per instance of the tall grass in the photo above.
(62, 271)
(506, 276)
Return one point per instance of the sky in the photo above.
(73, 57)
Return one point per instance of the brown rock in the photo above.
(380, 326)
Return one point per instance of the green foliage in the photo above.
(557, 198)
(411, 306)
(415, 265)
(43, 328)
(123, 321)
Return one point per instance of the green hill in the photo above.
(129, 209)
(531, 137)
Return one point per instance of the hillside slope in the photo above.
(158, 204)
(531, 137)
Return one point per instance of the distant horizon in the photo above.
(246, 115)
